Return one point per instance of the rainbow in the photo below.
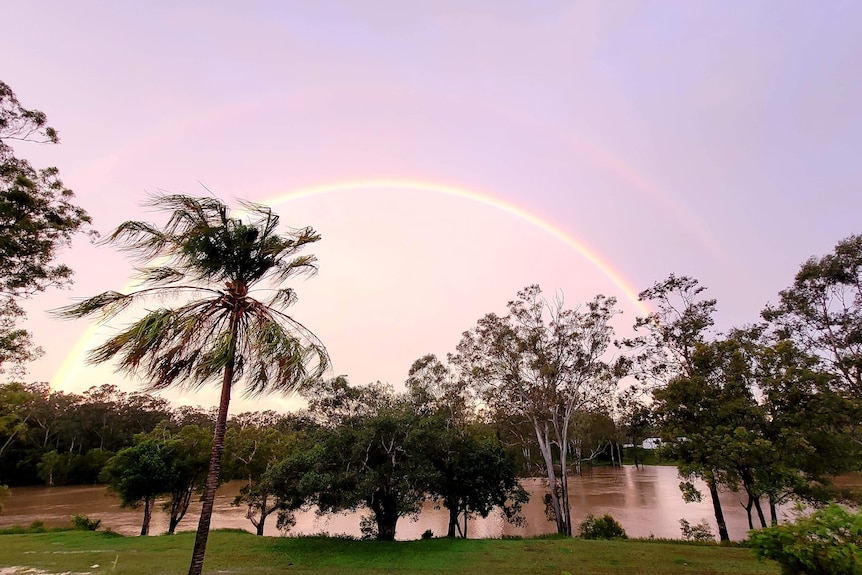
(76, 356)
(477, 197)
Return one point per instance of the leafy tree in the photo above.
(435, 387)
(604, 527)
(220, 330)
(822, 314)
(37, 219)
(473, 472)
(139, 474)
(186, 456)
(665, 351)
(370, 454)
(473, 475)
(636, 421)
(543, 363)
(254, 446)
(287, 484)
(803, 426)
(15, 399)
(710, 423)
(822, 311)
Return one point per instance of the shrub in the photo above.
(84, 523)
(37, 527)
(368, 528)
(828, 542)
(604, 527)
(701, 532)
(428, 534)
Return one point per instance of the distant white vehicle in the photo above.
(651, 443)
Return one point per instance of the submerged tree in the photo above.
(211, 262)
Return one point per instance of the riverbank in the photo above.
(230, 551)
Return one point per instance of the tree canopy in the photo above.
(37, 219)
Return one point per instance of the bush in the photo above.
(828, 542)
(604, 527)
(37, 527)
(701, 532)
(84, 523)
(428, 534)
(368, 528)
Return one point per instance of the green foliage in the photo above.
(822, 311)
(604, 527)
(137, 473)
(828, 542)
(700, 532)
(37, 219)
(84, 523)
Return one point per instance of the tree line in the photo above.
(355, 446)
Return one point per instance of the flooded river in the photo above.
(645, 501)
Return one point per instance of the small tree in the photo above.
(187, 456)
(604, 527)
(138, 475)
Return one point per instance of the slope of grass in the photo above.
(241, 552)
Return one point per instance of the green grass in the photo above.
(240, 552)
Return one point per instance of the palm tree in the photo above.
(210, 262)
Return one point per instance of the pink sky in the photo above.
(715, 139)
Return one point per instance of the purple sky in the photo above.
(715, 139)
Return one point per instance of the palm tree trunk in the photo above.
(203, 532)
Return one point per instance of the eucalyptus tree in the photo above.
(544, 364)
(666, 348)
(214, 265)
(822, 311)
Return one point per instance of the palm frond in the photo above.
(282, 298)
(158, 275)
(106, 304)
(220, 258)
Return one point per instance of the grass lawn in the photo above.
(241, 552)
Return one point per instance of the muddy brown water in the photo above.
(646, 501)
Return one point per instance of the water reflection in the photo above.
(645, 501)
